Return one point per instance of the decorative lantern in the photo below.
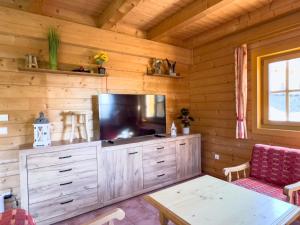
(41, 132)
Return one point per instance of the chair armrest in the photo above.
(227, 171)
(108, 217)
(290, 189)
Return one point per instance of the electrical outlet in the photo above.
(3, 117)
(217, 156)
(3, 131)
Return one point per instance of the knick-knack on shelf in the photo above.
(31, 61)
(53, 42)
(171, 67)
(156, 65)
(173, 130)
(101, 58)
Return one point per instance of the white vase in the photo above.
(186, 130)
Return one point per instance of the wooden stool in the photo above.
(31, 61)
(79, 119)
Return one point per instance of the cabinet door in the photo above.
(188, 157)
(120, 172)
(195, 151)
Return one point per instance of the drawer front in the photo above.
(154, 151)
(62, 173)
(39, 193)
(61, 206)
(60, 157)
(159, 177)
(158, 163)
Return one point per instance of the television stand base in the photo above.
(159, 135)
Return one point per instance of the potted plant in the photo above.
(53, 42)
(101, 58)
(185, 120)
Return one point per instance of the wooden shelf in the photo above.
(164, 75)
(61, 72)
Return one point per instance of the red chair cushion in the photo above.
(277, 165)
(262, 187)
(16, 217)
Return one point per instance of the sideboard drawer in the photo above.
(39, 193)
(159, 150)
(157, 163)
(62, 173)
(62, 206)
(60, 157)
(159, 176)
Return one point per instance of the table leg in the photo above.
(163, 220)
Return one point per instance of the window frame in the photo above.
(266, 123)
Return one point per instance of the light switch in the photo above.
(3, 117)
(3, 131)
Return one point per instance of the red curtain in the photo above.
(240, 55)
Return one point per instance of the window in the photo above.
(155, 106)
(281, 90)
(150, 106)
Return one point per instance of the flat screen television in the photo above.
(125, 115)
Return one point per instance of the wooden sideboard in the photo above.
(63, 181)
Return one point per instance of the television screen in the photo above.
(125, 116)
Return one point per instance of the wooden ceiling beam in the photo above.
(274, 9)
(116, 10)
(192, 12)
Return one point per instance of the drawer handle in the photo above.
(66, 183)
(65, 157)
(182, 144)
(63, 171)
(160, 148)
(161, 175)
(66, 202)
(162, 161)
(132, 153)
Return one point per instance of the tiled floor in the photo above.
(137, 210)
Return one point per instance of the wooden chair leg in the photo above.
(163, 220)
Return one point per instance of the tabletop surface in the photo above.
(210, 201)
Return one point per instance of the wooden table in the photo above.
(211, 201)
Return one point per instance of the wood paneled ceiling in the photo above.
(181, 22)
(151, 12)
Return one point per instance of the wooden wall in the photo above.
(213, 92)
(208, 88)
(24, 94)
